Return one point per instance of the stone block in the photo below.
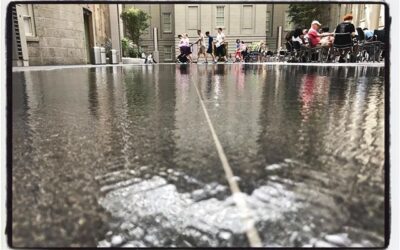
(53, 41)
(48, 52)
(79, 44)
(35, 61)
(33, 51)
(67, 43)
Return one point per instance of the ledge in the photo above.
(129, 60)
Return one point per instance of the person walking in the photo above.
(201, 46)
(186, 47)
(210, 46)
(220, 44)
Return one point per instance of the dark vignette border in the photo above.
(8, 229)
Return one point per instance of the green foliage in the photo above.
(303, 14)
(129, 49)
(136, 22)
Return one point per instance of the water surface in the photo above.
(123, 156)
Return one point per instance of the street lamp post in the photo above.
(156, 54)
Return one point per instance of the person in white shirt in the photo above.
(220, 45)
(201, 46)
(186, 47)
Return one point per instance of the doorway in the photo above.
(87, 19)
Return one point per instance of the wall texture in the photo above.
(166, 41)
(61, 37)
(60, 33)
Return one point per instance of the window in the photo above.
(288, 23)
(166, 19)
(193, 17)
(247, 16)
(220, 15)
(268, 21)
(168, 53)
(28, 20)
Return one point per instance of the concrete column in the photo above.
(279, 40)
(372, 16)
(114, 26)
(121, 23)
(156, 54)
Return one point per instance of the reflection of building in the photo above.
(371, 16)
(162, 18)
(46, 34)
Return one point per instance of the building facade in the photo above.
(371, 16)
(247, 22)
(162, 18)
(54, 34)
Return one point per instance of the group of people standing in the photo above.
(186, 51)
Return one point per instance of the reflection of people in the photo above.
(220, 44)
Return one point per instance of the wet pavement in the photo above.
(124, 156)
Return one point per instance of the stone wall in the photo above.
(102, 23)
(60, 33)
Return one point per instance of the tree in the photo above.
(136, 22)
(303, 14)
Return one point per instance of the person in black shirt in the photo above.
(346, 26)
(210, 46)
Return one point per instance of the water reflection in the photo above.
(123, 156)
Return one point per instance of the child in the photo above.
(238, 54)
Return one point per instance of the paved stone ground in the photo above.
(129, 155)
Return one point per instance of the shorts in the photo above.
(186, 50)
(209, 50)
(220, 51)
(202, 49)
